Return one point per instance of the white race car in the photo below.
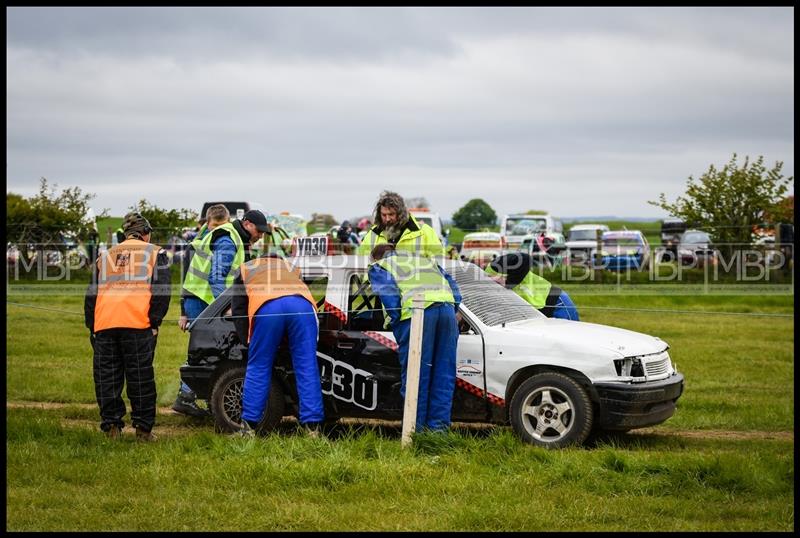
(554, 381)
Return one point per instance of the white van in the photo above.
(582, 240)
(425, 216)
(514, 228)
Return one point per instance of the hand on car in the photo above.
(183, 323)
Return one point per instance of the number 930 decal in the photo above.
(347, 383)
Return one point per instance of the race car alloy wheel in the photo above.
(551, 410)
(226, 403)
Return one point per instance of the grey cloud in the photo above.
(435, 102)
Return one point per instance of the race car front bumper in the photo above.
(199, 377)
(625, 406)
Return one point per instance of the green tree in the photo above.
(44, 221)
(474, 215)
(165, 222)
(727, 203)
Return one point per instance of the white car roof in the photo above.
(478, 236)
(589, 227)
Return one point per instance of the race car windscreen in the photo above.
(491, 302)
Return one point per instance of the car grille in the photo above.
(657, 367)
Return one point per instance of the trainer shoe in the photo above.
(186, 404)
(245, 430)
(145, 436)
(312, 430)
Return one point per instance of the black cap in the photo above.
(257, 217)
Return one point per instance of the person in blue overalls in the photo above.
(395, 277)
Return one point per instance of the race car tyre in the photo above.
(226, 403)
(551, 410)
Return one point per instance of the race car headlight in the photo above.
(629, 367)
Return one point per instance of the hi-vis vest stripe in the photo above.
(417, 274)
(196, 281)
(533, 288)
(125, 273)
(266, 279)
(424, 241)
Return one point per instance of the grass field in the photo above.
(724, 462)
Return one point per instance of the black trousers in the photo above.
(125, 356)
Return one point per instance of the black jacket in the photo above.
(160, 288)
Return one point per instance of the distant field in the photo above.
(106, 225)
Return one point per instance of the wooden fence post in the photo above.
(412, 370)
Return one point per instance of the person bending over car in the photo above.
(395, 277)
(516, 271)
(271, 302)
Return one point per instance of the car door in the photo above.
(469, 397)
(358, 360)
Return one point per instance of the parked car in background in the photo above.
(480, 241)
(553, 380)
(671, 230)
(696, 248)
(546, 249)
(582, 242)
(514, 227)
(625, 249)
(424, 215)
(236, 209)
(482, 258)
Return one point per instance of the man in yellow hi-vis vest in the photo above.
(396, 277)
(395, 226)
(214, 264)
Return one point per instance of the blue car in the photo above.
(625, 250)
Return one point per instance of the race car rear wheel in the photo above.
(226, 403)
(551, 410)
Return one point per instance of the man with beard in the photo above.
(395, 226)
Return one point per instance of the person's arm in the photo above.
(90, 300)
(385, 287)
(161, 290)
(239, 305)
(366, 245)
(223, 251)
(432, 245)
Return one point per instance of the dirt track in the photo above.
(169, 430)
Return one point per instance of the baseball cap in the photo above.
(257, 217)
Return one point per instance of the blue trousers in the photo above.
(565, 308)
(299, 322)
(193, 306)
(437, 376)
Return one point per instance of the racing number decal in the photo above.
(347, 383)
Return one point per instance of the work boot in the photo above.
(144, 435)
(114, 432)
(186, 404)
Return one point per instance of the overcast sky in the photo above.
(579, 111)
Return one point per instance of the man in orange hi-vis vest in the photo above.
(271, 301)
(124, 306)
